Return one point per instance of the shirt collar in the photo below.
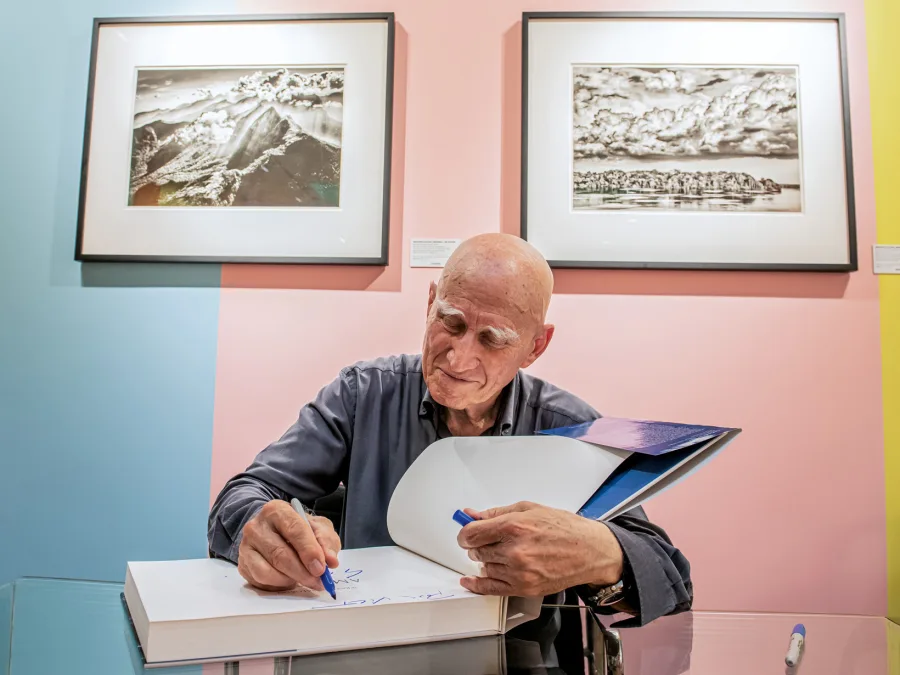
(505, 416)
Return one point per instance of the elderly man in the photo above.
(485, 322)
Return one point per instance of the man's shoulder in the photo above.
(396, 368)
(548, 397)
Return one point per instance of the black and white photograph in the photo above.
(256, 139)
(237, 137)
(691, 138)
(687, 140)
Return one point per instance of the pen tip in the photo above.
(333, 596)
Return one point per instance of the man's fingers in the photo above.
(491, 525)
(518, 507)
(258, 572)
(486, 585)
(328, 539)
(300, 536)
(484, 532)
(281, 555)
(498, 572)
(492, 553)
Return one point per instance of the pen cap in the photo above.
(462, 518)
(799, 628)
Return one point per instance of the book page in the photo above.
(184, 590)
(489, 471)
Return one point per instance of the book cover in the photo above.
(644, 436)
(662, 453)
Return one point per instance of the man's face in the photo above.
(475, 342)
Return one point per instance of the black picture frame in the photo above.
(382, 259)
(839, 19)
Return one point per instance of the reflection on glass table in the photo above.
(66, 627)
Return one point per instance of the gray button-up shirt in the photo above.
(367, 427)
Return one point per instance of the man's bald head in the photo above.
(503, 266)
(485, 321)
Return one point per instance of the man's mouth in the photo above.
(454, 377)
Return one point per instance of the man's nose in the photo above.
(463, 354)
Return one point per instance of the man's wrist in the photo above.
(612, 588)
(608, 586)
(610, 558)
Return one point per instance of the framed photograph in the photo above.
(238, 139)
(687, 141)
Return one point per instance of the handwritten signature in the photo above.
(350, 577)
(440, 595)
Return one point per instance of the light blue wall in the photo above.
(6, 608)
(106, 372)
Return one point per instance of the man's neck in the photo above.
(472, 421)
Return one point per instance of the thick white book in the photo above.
(190, 611)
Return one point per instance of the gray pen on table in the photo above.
(327, 581)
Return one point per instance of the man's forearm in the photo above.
(238, 502)
(308, 462)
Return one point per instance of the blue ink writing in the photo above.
(346, 603)
(428, 596)
(439, 594)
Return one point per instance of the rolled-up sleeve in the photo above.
(657, 574)
(308, 462)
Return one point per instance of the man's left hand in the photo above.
(531, 550)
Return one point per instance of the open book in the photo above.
(187, 611)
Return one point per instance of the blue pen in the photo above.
(327, 581)
(462, 517)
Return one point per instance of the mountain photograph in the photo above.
(719, 138)
(238, 137)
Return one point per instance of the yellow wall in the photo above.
(883, 29)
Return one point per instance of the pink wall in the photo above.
(791, 517)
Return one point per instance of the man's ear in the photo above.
(432, 294)
(541, 342)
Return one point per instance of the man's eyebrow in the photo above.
(445, 309)
(503, 335)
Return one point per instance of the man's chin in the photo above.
(453, 395)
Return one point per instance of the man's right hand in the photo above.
(279, 550)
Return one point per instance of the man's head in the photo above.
(485, 319)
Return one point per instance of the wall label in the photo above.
(431, 252)
(887, 259)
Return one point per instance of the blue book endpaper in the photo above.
(656, 447)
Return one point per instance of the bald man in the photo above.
(485, 323)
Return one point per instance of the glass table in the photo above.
(70, 627)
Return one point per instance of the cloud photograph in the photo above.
(686, 138)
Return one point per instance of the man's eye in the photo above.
(491, 342)
(454, 326)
